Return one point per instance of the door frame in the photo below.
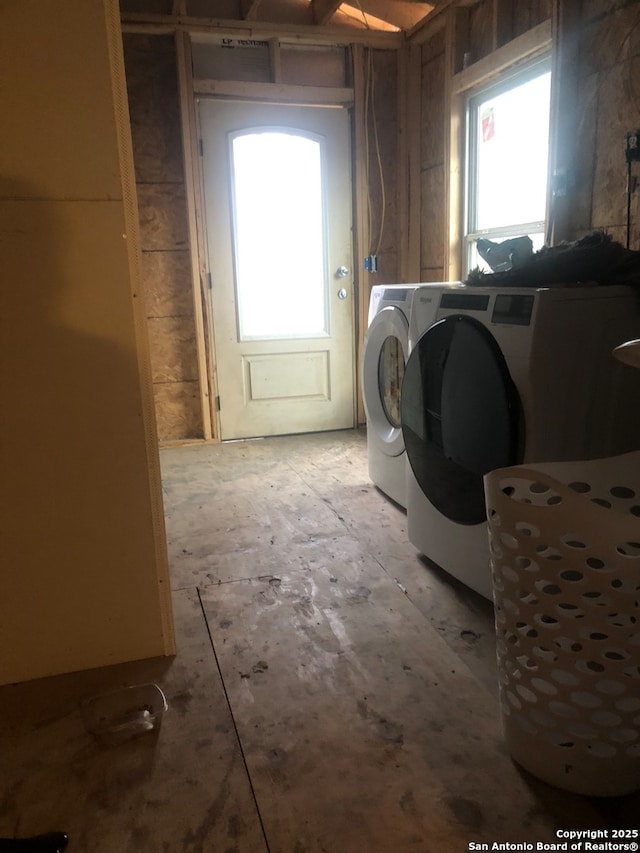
(322, 397)
(190, 91)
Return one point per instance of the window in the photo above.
(507, 150)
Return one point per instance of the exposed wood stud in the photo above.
(191, 144)
(362, 236)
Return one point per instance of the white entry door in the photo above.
(277, 191)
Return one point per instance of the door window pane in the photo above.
(279, 231)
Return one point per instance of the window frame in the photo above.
(511, 57)
(507, 80)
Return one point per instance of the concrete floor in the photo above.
(332, 691)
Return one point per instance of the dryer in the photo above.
(501, 376)
(385, 352)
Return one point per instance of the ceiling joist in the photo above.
(286, 34)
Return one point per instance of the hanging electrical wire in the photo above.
(366, 151)
(371, 121)
(383, 198)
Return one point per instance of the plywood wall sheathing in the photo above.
(432, 160)
(383, 141)
(152, 84)
(609, 63)
(163, 277)
(178, 409)
(481, 40)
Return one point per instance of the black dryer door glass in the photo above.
(460, 415)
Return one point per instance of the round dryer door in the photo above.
(460, 415)
(383, 363)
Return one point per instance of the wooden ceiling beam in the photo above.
(286, 34)
(323, 10)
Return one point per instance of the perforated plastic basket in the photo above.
(565, 555)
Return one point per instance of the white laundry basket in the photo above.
(565, 556)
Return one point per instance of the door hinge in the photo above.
(200, 148)
(217, 402)
(209, 283)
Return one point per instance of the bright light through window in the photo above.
(279, 235)
(508, 138)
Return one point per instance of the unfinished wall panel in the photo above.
(163, 278)
(527, 14)
(163, 217)
(433, 122)
(166, 265)
(435, 44)
(178, 409)
(382, 166)
(481, 30)
(608, 64)
(173, 346)
(433, 112)
(584, 162)
(313, 66)
(610, 40)
(433, 204)
(153, 96)
(616, 115)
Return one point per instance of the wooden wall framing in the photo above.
(426, 73)
(462, 46)
(154, 106)
(201, 304)
(179, 416)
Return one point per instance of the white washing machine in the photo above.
(501, 376)
(385, 352)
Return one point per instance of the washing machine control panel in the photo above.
(514, 309)
(465, 301)
(509, 309)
